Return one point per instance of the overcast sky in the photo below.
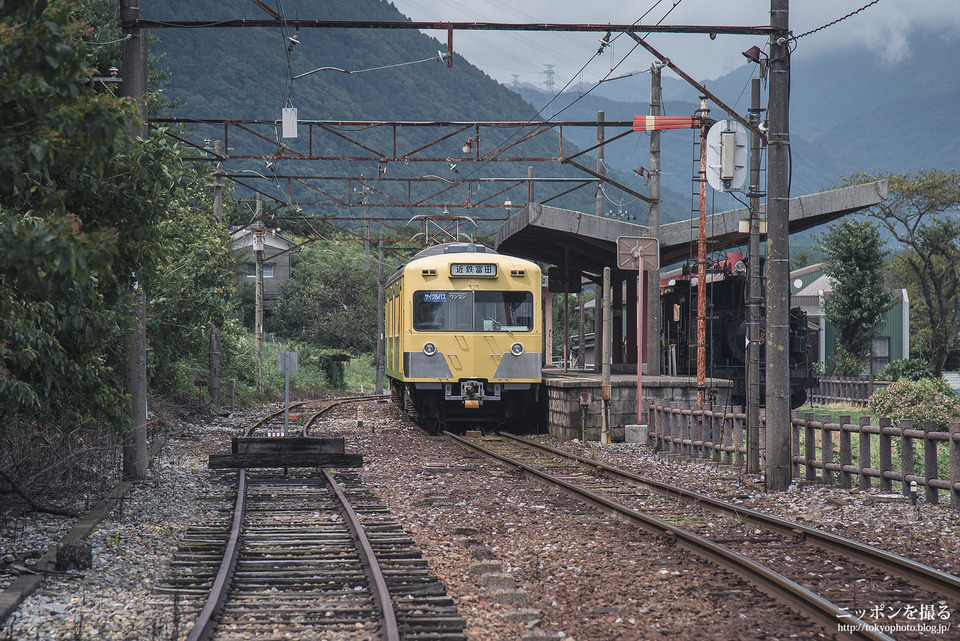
(884, 28)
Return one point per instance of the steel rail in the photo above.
(796, 596)
(938, 582)
(206, 621)
(378, 583)
(337, 403)
(266, 418)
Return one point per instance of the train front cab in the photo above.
(464, 340)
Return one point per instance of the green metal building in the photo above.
(809, 289)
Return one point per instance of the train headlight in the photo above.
(429, 348)
(516, 349)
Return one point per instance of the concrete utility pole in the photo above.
(600, 166)
(654, 322)
(215, 338)
(366, 235)
(605, 358)
(135, 458)
(381, 321)
(581, 361)
(778, 468)
(754, 294)
(258, 234)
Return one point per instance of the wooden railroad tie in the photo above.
(298, 451)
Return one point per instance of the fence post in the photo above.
(826, 449)
(846, 454)
(906, 453)
(930, 462)
(736, 429)
(795, 451)
(726, 437)
(954, 466)
(863, 460)
(763, 438)
(809, 446)
(677, 434)
(886, 460)
(668, 427)
(694, 425)
(651, 430)
(708, 437)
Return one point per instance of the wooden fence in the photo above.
(848, 391)
(822, 451)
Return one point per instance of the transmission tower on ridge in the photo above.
(549, 73)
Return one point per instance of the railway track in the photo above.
(834, 581)
(315, 413)
(308, 555)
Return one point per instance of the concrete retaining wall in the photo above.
(574, 402)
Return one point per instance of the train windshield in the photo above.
(448, 311)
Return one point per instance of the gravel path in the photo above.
(563, 571)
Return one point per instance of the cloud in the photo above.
(885, 28)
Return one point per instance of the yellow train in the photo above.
(464, 338)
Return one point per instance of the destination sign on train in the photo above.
(473, 269)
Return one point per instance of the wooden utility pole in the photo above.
(702, 261)
(135, 458)
(778, 468)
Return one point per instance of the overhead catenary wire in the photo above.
(830, 24)
(502, 145)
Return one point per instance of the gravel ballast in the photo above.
(521, 561)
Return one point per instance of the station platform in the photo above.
(575, 402)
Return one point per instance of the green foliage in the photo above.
(854, 262)
(847, 365)
(52, 317)
(59, 145)
(361, 374)
(205, 62)
(909, 369)
(920, 212)
(572, 318)
(930, 399)
(193, 283)
(85, 213)
(330, 300)
(802, 257)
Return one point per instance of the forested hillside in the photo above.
(245, 73)
(850, 110)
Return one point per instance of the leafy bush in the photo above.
(846, 365)
(930, 399)
(361, 374)
(910, 369)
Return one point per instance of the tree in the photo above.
(803, 257)
(921, 213)
(854, 264)
(58, 143)
(329, 301)
(82, 206)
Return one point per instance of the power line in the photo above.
(830, 24)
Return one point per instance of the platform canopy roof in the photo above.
(552, 235)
